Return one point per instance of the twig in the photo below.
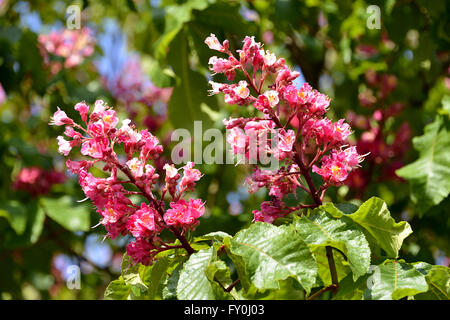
(231, 286)
(157, 205)
(318, 293)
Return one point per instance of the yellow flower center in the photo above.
(107, 119)
(335, 170)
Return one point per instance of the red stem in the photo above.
(157, 205)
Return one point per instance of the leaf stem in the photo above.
(231, 286)
(332, 265)
(318, 293)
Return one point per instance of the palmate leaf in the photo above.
(138, 281)
(197, 278)
(290, 289)
(379, 227)
(215, 236)
(130, 285)
(320, 229)
(393, 280)
(135, 281)
(351, 290)
(429, 176)
(152, 276)
(218, 272)
(438, 280)
(162, 280)
(169, 291)
(265, 254)
(390, 280)
(117, 290)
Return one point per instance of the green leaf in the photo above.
(221, 18)
(170, 290)
(37, 225)
(350, 289)
(16, 214)
(117, 290)
(194, 282)
(437, 97)
(265, 254)
(218, 236)
(176, 16)
(445, 105)
(423, 267)
(366, 65)
(63, 211)
(394, 280)
(219, 275)
(30, 61)
(144, 281)
(161, 77)
(135, 282)
(438, 280)
(152, 276)
(429, 175)
(187, 97)
(347, 208)
(380, 228)
(321, 229)
(35, 217)
(289, 289)
(126, 265)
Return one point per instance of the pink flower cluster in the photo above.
(37, 181)
(284, 108)
(71, 45)
(249, 137)
(335, 168)
(99, 138)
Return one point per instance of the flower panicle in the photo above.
(99, 136)
(295, 116)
